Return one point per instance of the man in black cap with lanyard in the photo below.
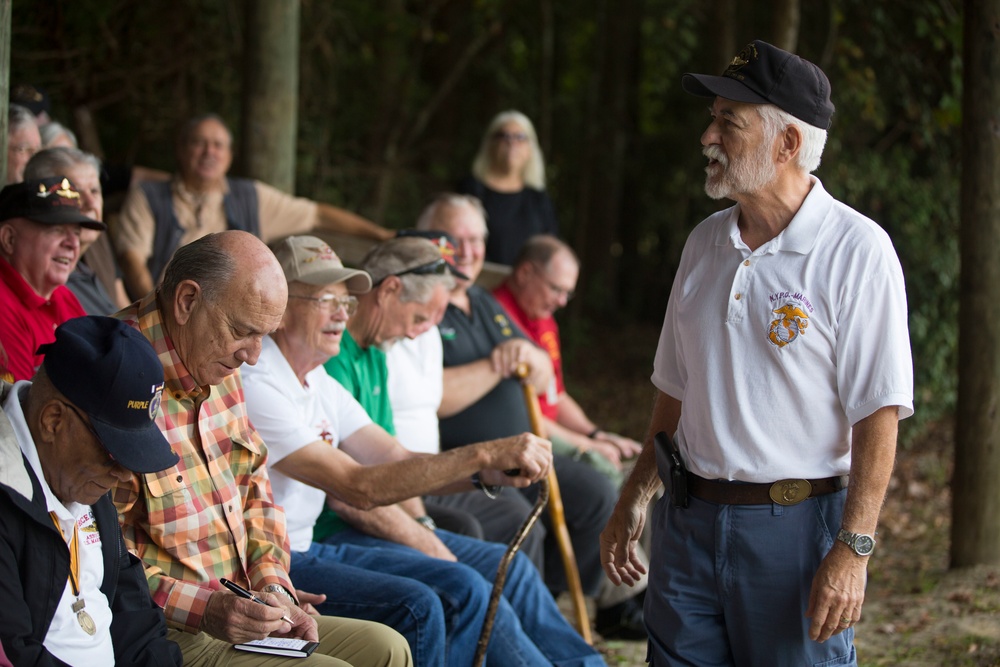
(783, 368)
(72, 593)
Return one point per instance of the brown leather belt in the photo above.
(782, 492)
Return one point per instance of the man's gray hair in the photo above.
(397, 255)
(51, 131)
(204, 262)
(540, 249)
(18, 117)
(55, 161)
(533, 172)
(813, 138)
(429, 218)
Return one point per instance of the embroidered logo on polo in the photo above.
(504, 325)
(792, 310)
(88, 529)
(447, 333)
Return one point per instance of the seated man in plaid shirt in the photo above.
(213, 516)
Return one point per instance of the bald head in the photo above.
(220, 296)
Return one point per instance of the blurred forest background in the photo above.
(395, 95)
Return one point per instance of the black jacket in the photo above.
(34, 566)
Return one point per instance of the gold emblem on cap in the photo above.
(67, 190)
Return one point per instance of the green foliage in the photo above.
(395, 96)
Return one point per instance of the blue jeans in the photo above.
(528, 629)
(729, 584)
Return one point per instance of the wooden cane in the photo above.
(498, 584)
(557, 513)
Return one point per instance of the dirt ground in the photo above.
(917, 612)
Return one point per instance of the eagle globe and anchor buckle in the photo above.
(790, 491)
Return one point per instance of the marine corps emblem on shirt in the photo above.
(504, 325)
(792, 321)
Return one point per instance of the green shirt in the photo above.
(365, 374)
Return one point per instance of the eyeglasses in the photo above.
(513, 137)
(558, 291)
(438, 266)
(330, 303)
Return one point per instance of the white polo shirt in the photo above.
(776, 353)
(288, 417)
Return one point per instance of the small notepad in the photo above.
(290, 648)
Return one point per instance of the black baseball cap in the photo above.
(49, 201)
(445, 243)
(764, 74)
(110, 371)
(33, 98)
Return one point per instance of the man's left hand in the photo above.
(303, 625)
(627, 446)
(307, 600)
(838, 592)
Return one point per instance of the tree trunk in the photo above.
(726, 43)
(610, 135)
(785, 24)
(5, 7)
(975, 533)
(270, 92)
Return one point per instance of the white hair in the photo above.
(813, 138)
(534, 169)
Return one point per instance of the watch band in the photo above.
(860, 543)
(491, 490)
(427, 522)
(281, 590)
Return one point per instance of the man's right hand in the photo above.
(508, 355)
(238, 620)
(527, 453)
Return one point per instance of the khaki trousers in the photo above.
(343, 642)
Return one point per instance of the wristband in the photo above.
(593, 434)
(491, 490)
(427, 522)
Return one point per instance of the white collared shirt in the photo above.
(776, 353)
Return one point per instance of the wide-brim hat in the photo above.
(110, 371)
(311, 260)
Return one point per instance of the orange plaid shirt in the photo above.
(213, 514)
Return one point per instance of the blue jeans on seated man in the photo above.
(528, 630)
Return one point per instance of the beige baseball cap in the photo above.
(311, 260)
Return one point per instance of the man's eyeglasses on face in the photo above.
(555, 289)
(330, 303)
(438, 266)
(513, 137)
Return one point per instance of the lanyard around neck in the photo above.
(74, 554)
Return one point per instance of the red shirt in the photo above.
(544, 332)
(27, 320)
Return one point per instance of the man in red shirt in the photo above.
(541, 282)
(40, 223)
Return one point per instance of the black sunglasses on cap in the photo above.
(438, 266)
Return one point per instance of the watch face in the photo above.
(864, 545)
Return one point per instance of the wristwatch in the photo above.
(861, 544)
(280, 590)
(427, 522)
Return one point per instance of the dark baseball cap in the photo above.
(445, 243)
(49, 201)
(110, 371)
(33, 98)
(764, 74)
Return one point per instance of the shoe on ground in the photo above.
(622, 621)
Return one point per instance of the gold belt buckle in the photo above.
(790, 491)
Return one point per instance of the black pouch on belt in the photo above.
(678, 473)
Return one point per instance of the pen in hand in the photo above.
(244, 593)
